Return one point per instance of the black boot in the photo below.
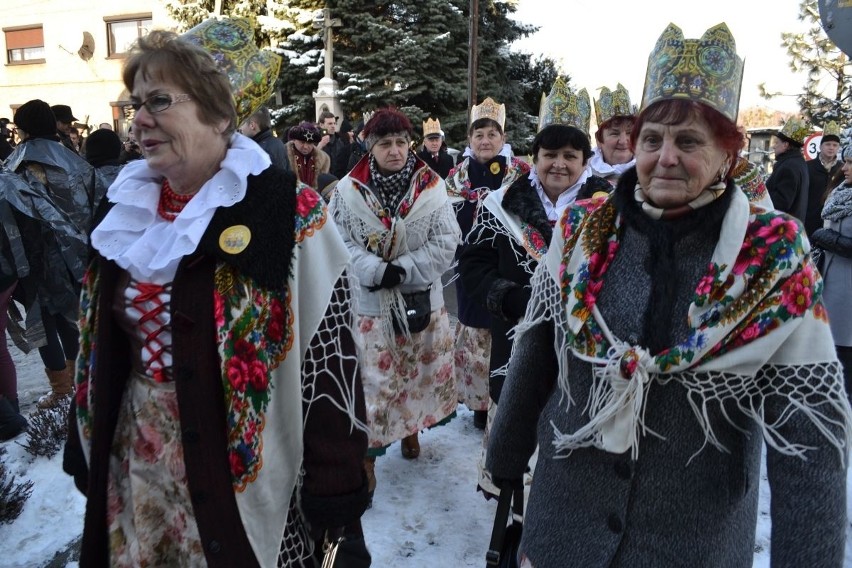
(11, 423)
(480, 418)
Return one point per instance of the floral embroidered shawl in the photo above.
(756, 309)
(263, 337)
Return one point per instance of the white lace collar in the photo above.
(566, 198)
(505, 151)
(149, 247)
(604, 170)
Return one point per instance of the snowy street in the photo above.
(425, 513)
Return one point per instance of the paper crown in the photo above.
(831, 128)
(748, 177)
(706, 70)
(366, 116)
(252, 72)
(489, 109)
(562, 106)
(613, 103)
(795, 130)
(432, 128)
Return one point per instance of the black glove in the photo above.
(515, 302)
(825, 238)
(325, 512)
(514, 483)
(392, 277)
(832, 241)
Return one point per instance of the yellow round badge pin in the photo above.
(234, 240)
(495, 168)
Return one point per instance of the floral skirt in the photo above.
(408, 384)
(149, 512)
(472, 354)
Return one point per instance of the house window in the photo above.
(24, 45)
(122, 32)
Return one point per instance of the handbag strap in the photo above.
(510, 499)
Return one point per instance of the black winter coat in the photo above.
(442, 165)
(818, 179)
(788, 184)
(492, 274)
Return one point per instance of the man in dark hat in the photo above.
(64, 122)
(821, 170)
(788, 184)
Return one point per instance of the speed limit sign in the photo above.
(811, 147)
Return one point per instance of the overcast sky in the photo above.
(603, 42)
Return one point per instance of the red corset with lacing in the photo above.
(148, 306)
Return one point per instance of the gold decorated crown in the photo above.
(795, 129)
(251, 72)
(706, 70)
(831, 128)
(489, 109)
(613, 103)
(562, 106)
(432, 128)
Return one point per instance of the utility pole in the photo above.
(472, 57)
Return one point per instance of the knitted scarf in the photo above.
(392, 188)
(839, 203)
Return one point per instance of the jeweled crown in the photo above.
(563, 106)
(432, 127)
(707, 70)
(489, 109)
(251, 72)
(795, 129)
(613, 103)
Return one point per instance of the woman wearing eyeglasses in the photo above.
(219, 415)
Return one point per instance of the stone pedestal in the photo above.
(325, 97)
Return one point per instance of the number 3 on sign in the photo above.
(812, 143)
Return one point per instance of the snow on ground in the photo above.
(425, 512)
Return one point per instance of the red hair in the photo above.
(675, 111)
(387, 121)
(613, 122)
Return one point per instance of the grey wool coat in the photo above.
(683, 502)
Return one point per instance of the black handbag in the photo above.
(505, 540)
(418, 311)
(345, 552)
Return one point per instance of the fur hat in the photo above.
(386, 121)
(36, 119)
(306, 132)
(63, 113)
(102, 146)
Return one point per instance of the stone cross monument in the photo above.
(325, 96)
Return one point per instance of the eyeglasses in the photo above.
(159, 103)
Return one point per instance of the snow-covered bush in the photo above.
(13, 495)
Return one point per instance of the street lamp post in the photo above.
(472, 57)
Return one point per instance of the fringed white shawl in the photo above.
(758, 329)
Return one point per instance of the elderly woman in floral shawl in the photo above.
(674, 332)
(219, 417)
(397, 221)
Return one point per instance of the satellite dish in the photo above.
(836, 19)
(88, 48)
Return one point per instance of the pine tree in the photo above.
(814, 53)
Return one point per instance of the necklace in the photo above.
(171, 203)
